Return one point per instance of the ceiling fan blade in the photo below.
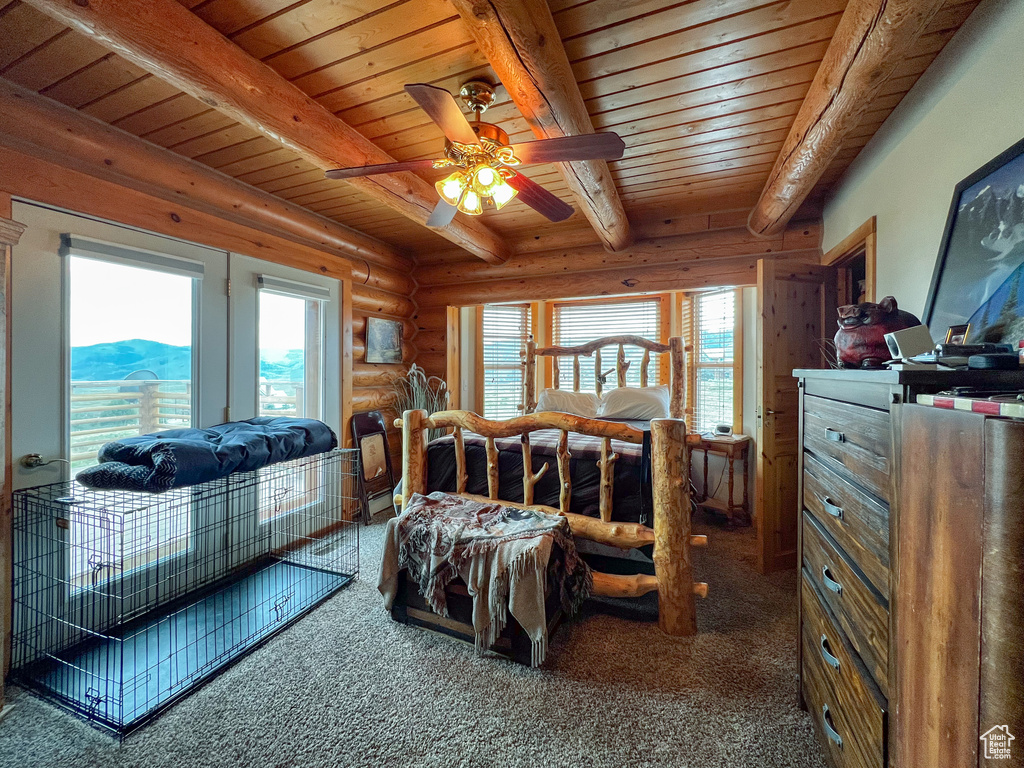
(538, 198)
(371, 170)
(442, 215)
(442, 108)
(591, 146)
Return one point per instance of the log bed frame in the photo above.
(677, 366)
(671, 537)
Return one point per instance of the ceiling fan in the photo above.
(484, 163)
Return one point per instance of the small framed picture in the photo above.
(957, 334)
(383, 340)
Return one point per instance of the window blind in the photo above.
(504, 333)
(579, 322)
(714, 325)
(75, 245)
(287, 287)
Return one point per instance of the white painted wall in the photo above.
(966, 109)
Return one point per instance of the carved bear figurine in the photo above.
(860, 340)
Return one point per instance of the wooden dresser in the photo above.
(866, 695)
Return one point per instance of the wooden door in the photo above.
(796, 311)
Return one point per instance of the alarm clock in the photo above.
(723, 429)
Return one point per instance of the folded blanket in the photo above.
(502, 555)
(180, 457)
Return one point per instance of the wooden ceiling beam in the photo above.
(872, 38)
(164, 38)
(523, 45)
(48, 130)
(686, 274)
(567, 263)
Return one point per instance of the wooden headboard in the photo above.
(675, 349)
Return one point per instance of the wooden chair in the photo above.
(376, 478)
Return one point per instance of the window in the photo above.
(290, 379)
(131, 318)
(289, 339)
(504, 331)
(715, 359)
(578, 322)
(131, 367)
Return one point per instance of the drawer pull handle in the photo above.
(830, 583)
(830, 729)
(832, 660)
(832, 508)
(835, 436)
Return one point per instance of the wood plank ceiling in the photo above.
(702, 91)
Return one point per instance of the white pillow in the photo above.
(635, 403)
(577, 403)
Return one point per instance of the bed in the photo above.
(605, 476)
(627, 497)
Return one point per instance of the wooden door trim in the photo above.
(478, 360)
(453, 356)
(10, 234)
(863, 240)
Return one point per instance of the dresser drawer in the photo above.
(847, 708)
(857, 521)
(861, 614)
(854, 438)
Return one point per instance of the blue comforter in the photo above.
(180, 457)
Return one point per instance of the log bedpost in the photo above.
(677, 380)
(530, 376)
(563, 456)
(556, 374)
(576, 373)
(607, 466)
(460, 461)
(677, 614)
(644, 366)
(597, 372)
(414, 454)
(492, 468)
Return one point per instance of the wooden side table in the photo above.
(733, 447)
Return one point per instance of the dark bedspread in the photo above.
(180, 457)
(631, 491)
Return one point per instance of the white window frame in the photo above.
(736, 365)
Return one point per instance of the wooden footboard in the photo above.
(670, 535)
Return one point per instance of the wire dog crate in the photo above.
(123, 602)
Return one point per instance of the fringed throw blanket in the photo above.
(501, 553)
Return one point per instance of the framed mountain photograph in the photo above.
(978, 272)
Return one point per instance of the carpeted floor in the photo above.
(346, 686)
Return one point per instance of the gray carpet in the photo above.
(346, 686)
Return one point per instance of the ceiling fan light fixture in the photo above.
(471, 203)
(502, 195)
(452, 188)
(485, 180)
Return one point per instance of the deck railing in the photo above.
(102, 411)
